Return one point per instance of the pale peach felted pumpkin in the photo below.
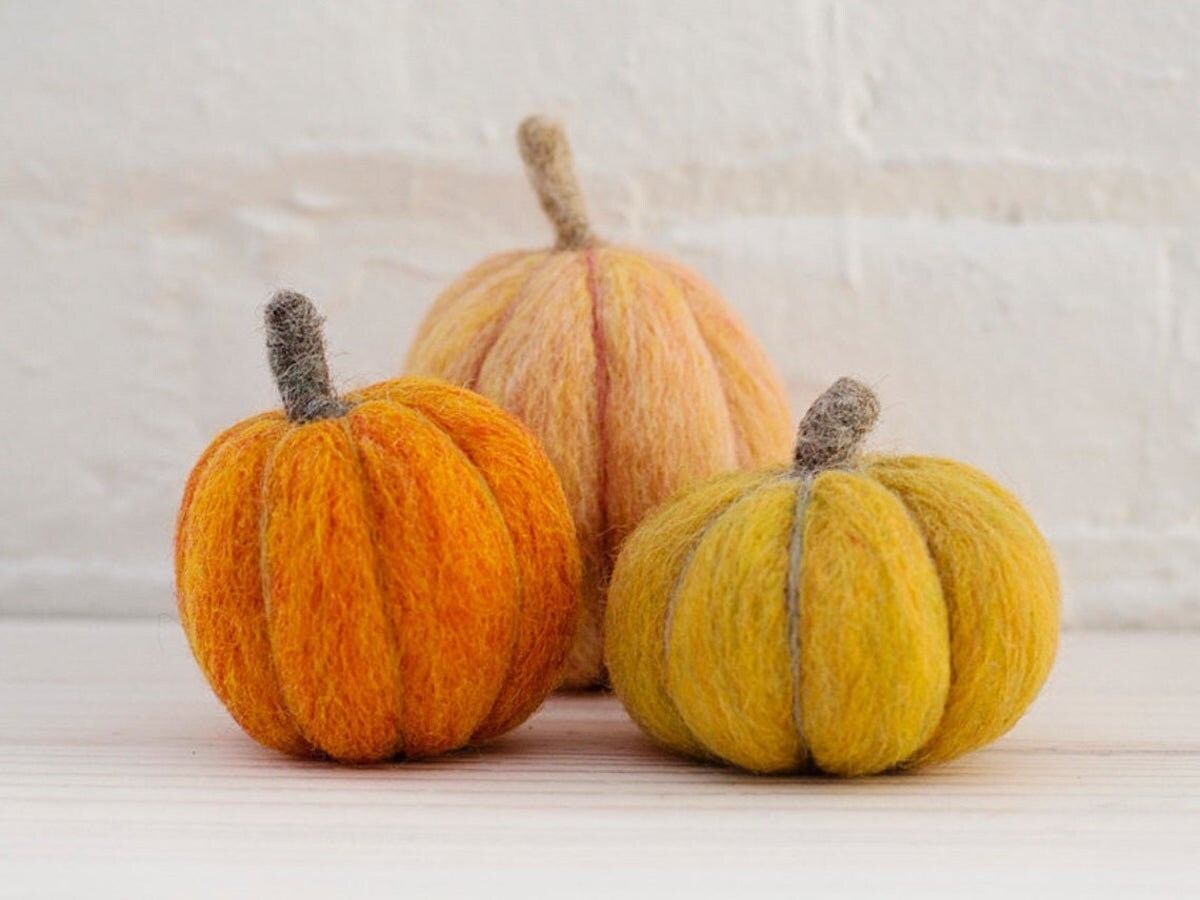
(632, 371)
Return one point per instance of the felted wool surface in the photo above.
(634, 374)
(866, 614)
(396, 581)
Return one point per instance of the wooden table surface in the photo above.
(121, 775)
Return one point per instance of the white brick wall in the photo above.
(989, 210)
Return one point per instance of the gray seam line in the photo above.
(687, 562)
(792, 599)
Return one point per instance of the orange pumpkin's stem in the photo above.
(832, 431)
(296, 350)
(547, 156)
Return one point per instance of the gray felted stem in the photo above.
(296, 350)
(832, 431)
(551, 171)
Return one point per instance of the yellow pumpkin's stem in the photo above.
(296, 351)
(832, 431)
(548, 162)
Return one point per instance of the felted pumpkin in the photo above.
(392, 573)
(631, 370)
(847, 615)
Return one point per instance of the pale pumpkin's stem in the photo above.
(551, 171)
(832, 431)
(296, 350)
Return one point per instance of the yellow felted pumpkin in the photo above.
(847, 615)
(389, 573)
(631, 370)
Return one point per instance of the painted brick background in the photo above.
(988, 210)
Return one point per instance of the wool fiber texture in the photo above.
(634, 374)
(398, 580)
(877, 614)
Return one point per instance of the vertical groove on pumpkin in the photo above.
(832, 431)
(385, 599)
(795, 557)
(264, 581)
(603, 546)
(602, 451)
(669, 612)
(501, 322)
(519, 584)
(296, 351)
(551, 170)
(738, 443)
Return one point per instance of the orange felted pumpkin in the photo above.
(633, 372)
(390, 573)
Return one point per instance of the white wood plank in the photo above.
(121, 774)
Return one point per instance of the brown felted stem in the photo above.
(551, 171)
(296, 350)
(832, 431)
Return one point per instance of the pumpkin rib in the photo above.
(223, 616)
(875, 678)
(504, 317)
(195, 477)
(380, 579)
(603, 452)
(521, 606)
(646, 569)
(741, 447)
(264, 584)
(200, 470)
(991, 633)
(911, 761)
(730, 668)
(699, 539)
(519, 592)
(324, 639)
(709, 310)
(553, 326)
(447, 643)
(792, 599)
(525, 486)
(677, 584)
(469, 283)
(478, 305)
(666, 443)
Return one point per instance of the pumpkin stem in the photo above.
(296, 350)
(832, 431)
(551, 171)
